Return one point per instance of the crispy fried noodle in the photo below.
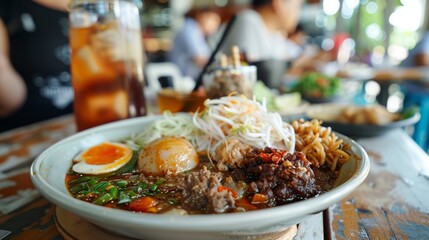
(319, 144)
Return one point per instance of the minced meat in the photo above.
(281, 176)
(200, 191)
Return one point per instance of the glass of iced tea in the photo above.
(106, 61)
(174, 101)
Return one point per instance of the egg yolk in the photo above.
(103, 154)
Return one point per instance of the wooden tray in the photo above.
(73, 227)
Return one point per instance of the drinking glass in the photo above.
(106, 61)
(222, 81)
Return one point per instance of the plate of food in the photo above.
(362, 121)
(320, 88)
(233, 171)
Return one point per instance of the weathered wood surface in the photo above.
(17, 150)
(34, 221)
(22, 144)
(393, 202)
(311, 228)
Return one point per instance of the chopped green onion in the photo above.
(95, 192)
(135, 189)
(79, 187)
(84, 192)
(103, 199)
(114, 192)
(121, 183)
(173, 201)
(76, 189)
(92, 182)
(160, 181)
(132, 194)
(82, 179)
(143, 185)
(153, 188)
(149, 194)
(101, 186)
(123, 198)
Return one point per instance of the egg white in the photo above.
(81, 166)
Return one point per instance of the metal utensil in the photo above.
(199, 80)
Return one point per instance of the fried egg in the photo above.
(105, 157)
(167, 155)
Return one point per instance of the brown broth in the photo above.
(167, 193)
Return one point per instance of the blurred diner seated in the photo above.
(320, 60)
(190, 50)
(417, 92)
(34, 62)
(260, 31)
(419, 55)
(296, 42)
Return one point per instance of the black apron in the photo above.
(39, 51)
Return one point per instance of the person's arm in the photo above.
(59, 5)
(200, 61)
(196, 44)
(12, 88)
(422, 59)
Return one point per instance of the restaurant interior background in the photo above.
(381, 191)
(379, 33)
(385, 29)
(377, 26)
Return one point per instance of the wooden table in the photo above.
(393, 202)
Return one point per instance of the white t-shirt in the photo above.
(189, 43)
(251, 35)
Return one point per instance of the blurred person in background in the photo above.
(35, 83)
(312, 58)
(295, 42)
(417, 92)
(190, 50)
(419, 55)
(260, 31)
(298, 36)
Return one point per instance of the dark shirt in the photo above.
(39, 51)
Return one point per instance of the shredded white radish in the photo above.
(245, 120)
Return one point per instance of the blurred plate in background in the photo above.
(328, 112)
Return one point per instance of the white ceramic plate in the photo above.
(48, 175)
(328, 112)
